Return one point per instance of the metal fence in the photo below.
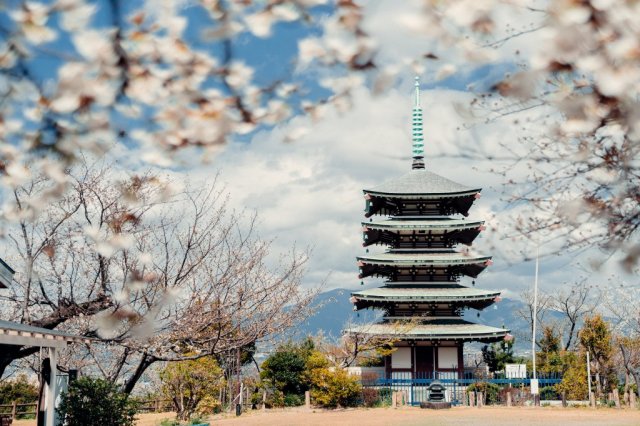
(415, 385)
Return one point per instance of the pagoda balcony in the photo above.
(420, 234)
(422, 266)
(432, 330)
(424, 299)
(418, 206)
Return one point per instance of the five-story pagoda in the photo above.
(423, 300)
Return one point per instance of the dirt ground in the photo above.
(519, 416)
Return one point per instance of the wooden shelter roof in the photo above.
(14, 333)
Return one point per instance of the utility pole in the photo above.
(534, 379)
(535, 312)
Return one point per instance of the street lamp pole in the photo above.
(534, 379)
(535, 312)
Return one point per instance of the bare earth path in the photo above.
(515, 416)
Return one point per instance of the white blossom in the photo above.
(239, 75)
(260, 23)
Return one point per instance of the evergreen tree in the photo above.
(498, 354)
(595, 337)
(550, 359)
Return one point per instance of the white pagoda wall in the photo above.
(446, 358)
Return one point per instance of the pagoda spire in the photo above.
(416, 130)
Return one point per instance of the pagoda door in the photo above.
(424, 362)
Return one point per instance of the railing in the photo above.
(18, 410)
(154, 406)
(415, 384)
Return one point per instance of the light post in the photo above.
(534, 379)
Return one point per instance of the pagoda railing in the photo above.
(415, 384)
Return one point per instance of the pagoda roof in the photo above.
(426, 294)
(432, 329)
(425, 258)
(425, 224)
(454, 294)
(421, 182)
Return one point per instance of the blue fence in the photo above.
(415, 384)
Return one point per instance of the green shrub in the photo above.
(549, 393)
(372, 397)
(574, 380)
(385, 395)
(490, 391)
(334, 388)
(375, 397)
(275, 399)
(96, 402)
(191, 385)
(293, 400)
(375, 360)
(19, 390)
(284, 370)
(256, 398)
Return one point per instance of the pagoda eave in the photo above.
(422, 196)
(420, 238)
(419, 204)
(394, 271)
(411, 224)
(478, 304)
(423, 259)
(457, 297)
(434, 331)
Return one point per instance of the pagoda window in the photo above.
(401, 358)
(448, 357)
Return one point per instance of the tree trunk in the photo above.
(9, 353)
(145, 362)
(627, 378)
(636, 378)
(570, 338)
(598, 384)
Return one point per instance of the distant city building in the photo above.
(418, 218)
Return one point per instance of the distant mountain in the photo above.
(335, 311)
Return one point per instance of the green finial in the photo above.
(416, 130)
